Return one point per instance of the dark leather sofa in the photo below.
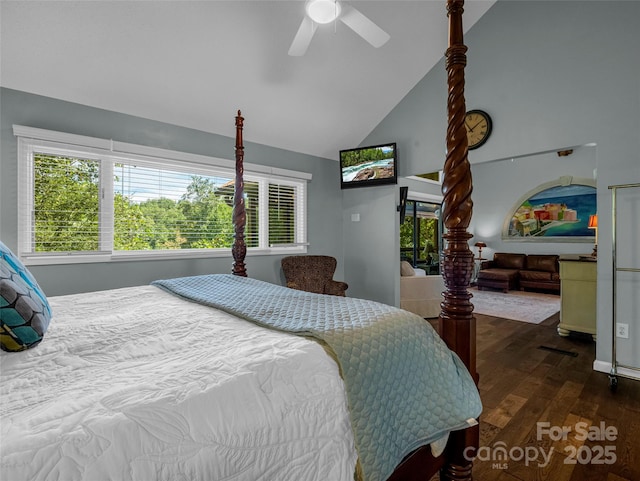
(512, 271)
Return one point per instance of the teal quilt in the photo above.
(405, 388)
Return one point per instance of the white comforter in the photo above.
(138, 384)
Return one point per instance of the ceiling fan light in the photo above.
(323, 11)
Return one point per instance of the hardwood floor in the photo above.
(529, 394)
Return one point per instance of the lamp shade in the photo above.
(481, 245)
(593, 221)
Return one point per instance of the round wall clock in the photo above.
(478, 124)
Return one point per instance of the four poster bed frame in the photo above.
(456, 322)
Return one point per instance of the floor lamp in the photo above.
(480, 246)
(476, 265)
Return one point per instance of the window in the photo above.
(433, 176)
(430, 177)
(420, 236)
(79, 200)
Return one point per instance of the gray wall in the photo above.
(324, 204)
(371, 260)
(552, 75)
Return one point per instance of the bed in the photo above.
(224, 377)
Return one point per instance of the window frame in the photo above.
(109, 152)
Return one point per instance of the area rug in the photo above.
(522, 306)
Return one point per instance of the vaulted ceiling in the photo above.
(195, 63)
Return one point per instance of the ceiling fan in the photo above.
(327, 11)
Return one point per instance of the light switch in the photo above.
(355, 217)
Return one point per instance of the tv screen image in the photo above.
(365, 166)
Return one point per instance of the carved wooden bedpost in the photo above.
(457, 323)
(239, 249)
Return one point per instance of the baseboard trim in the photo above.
(604, 366)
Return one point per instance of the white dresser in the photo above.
(578, 281)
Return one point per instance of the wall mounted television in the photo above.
(366, 166)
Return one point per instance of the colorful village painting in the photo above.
(555, 213)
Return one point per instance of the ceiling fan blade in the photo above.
(363, 26)
(303, 38)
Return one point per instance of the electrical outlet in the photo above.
(622, 330)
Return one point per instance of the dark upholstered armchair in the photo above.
(313, 274)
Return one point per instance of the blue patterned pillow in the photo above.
(24, 310)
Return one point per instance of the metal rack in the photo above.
(613, 375)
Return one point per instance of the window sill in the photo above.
(44, 259)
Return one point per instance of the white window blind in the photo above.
(282, 210)
(82, 200)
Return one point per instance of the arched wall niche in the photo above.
(555, 211)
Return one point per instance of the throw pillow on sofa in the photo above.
(406, 269)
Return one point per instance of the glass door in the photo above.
(421, 236)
